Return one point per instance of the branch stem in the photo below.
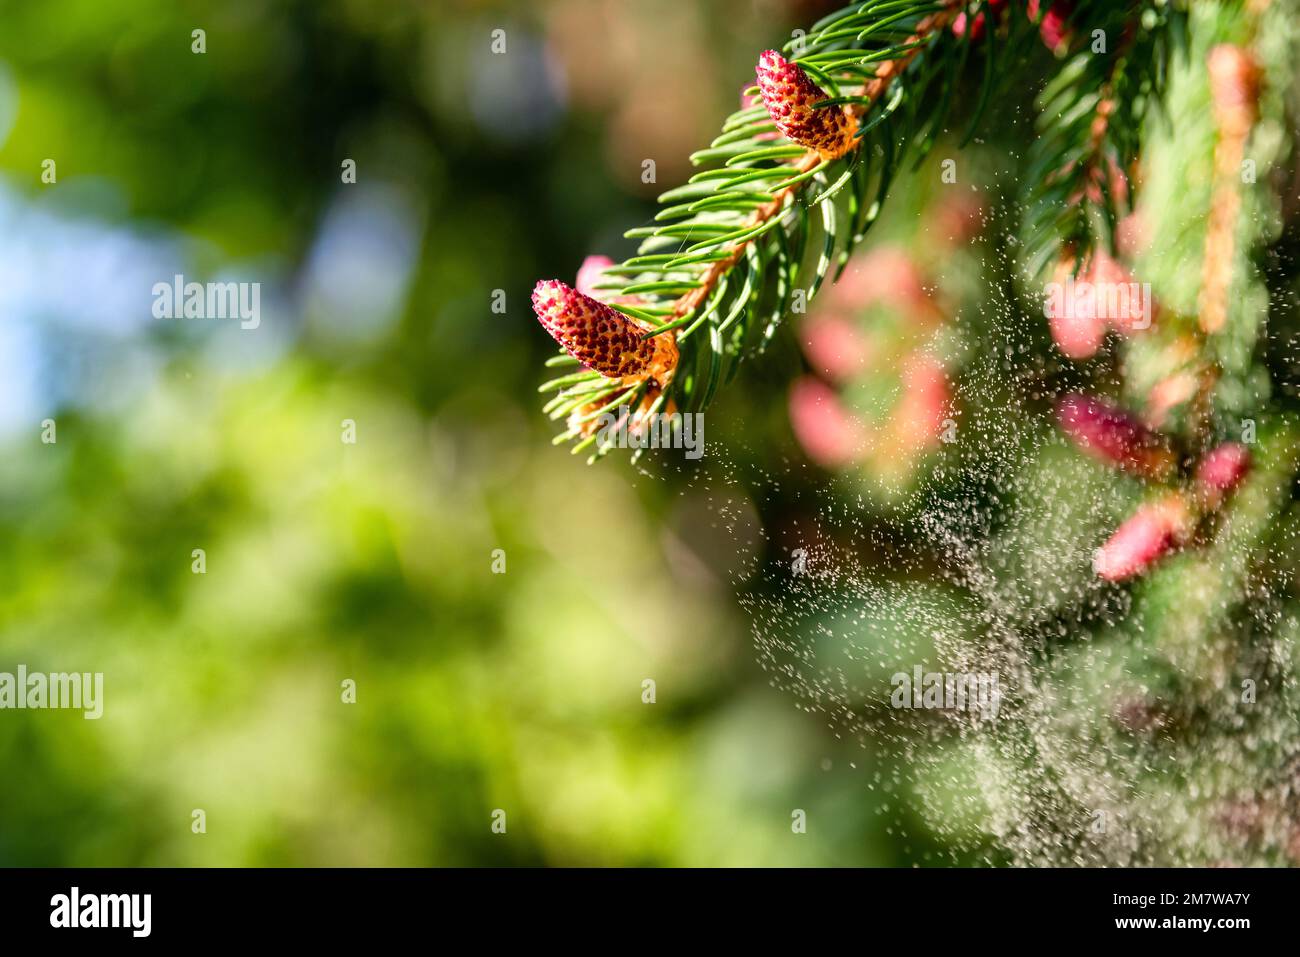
(869, 94)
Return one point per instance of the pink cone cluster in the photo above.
(1079, 332)
(606, 341)
(789, 94)
(1220, 472)
(591, 274)
(965, 21)
(834, 437)
(1165, 524)
(885, 277)
(842, 349)
(1054, 27)
(1113, 436)
(598, 336)
(1153, 531)
(830, 435)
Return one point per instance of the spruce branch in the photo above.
(818, 140)
(1077, 185)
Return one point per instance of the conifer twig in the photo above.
(870, 92)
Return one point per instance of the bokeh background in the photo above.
(371, 561)
(327, 561)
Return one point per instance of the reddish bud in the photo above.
(1127, 304)
(598, 336)
(828, 433)
(1132, 234)
(889, 277)
(959, 25)
(1077, 333)
(919, 417)
(1221, 471)
(1150, 533)
(1078, 336)
(1079, 309)
(1113, 436)
(834, 347)
(1054, 27)
(789, 94)
(591, 274)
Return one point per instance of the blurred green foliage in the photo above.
(327, 561)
